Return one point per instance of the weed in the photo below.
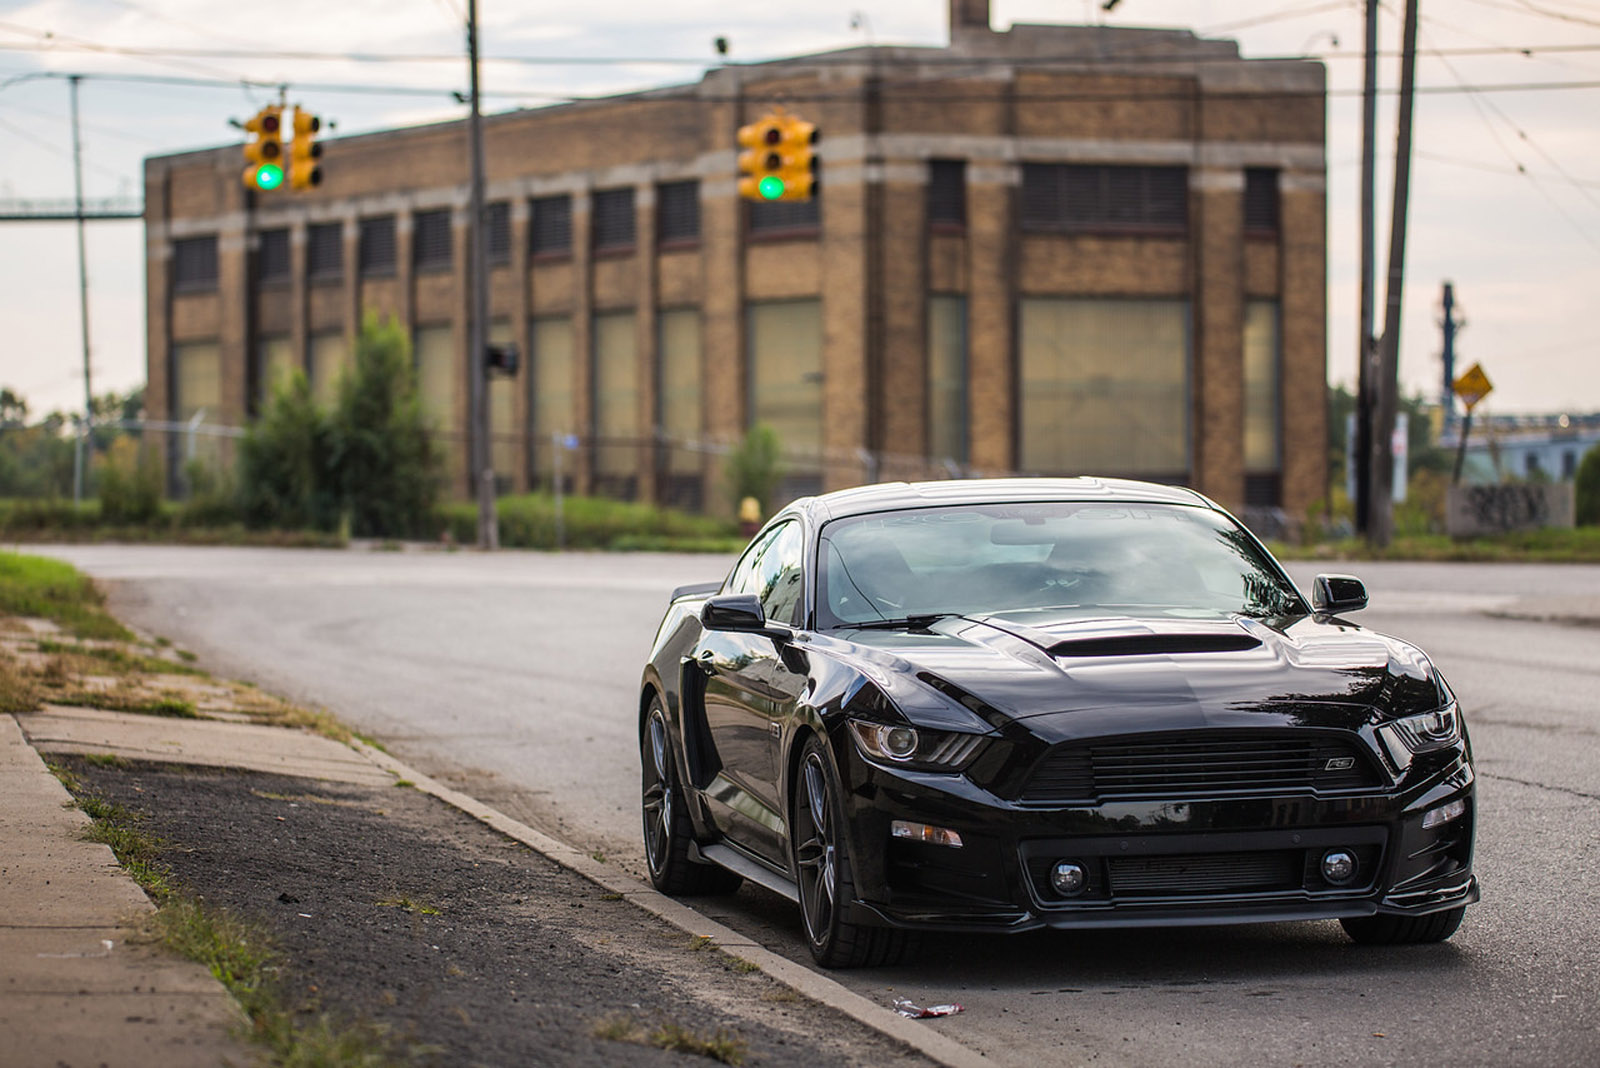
(780, 996)
(701, 943)
(65, 775)
(186, 656)
(617, 1027)
(405, 782)
(744, 967)
(364, 740)
(598, 857)
(127, 699)
(410, 905)
(119, 660)
(610, 897)
(105, 760)
(722, 1046)
(163, 642)
(18, 693)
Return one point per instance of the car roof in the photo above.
(895, 496)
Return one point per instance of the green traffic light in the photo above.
(770, 187)
(269, 176)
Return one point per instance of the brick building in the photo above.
(1054, 250)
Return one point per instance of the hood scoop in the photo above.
(1154, 645)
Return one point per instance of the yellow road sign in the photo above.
(1473, 386)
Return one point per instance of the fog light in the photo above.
(1068, 878)
(1445, 813)
(1338, 866)
(925, 832)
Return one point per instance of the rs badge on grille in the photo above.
(1340, 764)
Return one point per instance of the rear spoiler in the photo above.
(698, 589)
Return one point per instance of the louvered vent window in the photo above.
(947, 193)
(785, 217)
(377, 245)
(431, 241)
(325, 252)
(194, 264)
(613, 220)
(272, 256)
(550, 229)
(497, 232)
(678, 212)
(1068, 197)
(1260, 201)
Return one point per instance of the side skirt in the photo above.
(751, 869)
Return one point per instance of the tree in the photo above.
(284, 475)
(1587, 488)
(755, 467)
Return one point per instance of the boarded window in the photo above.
(550, 229)
(1104, 387)
(435, 353)
(432, 241)
(616, 400)
(679, 397)
(947, 378)
(786, 375)
(613, 220)
(553, 373)
(329, 357)
(272, 256)
(196, 388)
(377, 246)
(678, 212)
(785, 217)
(1261, 420)
(947, 192)
(1261, 201)
(497, 233)
(1066, 197)
(194, 264)
(325, 252)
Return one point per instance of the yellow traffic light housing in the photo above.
(304, 151)
(263, 150)
(779, 161)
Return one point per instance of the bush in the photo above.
(283, 460)
(1587, 487)
(130, 483)
(528, 521)
(755, 466)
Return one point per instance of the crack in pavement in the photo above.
(1540, 786)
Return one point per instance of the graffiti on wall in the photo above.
(1502, 508)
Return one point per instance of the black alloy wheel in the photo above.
(1403, 930)
(822, 870)
(667, 828)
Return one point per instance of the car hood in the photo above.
(1073, 676)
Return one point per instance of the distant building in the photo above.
(1524, 447)
(1054, 250)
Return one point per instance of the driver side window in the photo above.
(772, 570)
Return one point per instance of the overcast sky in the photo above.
(1505, 195)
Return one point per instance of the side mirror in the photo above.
(1332, 595)
(733, 611)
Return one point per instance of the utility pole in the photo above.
(477, 333)
(83, 296)
(1365, 372)
(1450, 324)
(1382, 514)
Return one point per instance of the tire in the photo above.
(1403, 930)
(822, 870)
(668, 830)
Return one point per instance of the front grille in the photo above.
(1190, 764)
(1222, 873)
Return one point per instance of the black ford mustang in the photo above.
(1003, 705)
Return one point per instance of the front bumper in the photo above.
(1194, 861)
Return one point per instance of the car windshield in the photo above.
(1043, 556)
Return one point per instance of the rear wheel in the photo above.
(1403, 930)
(667, 828)
(822, 865)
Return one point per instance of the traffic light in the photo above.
(504, 358)
(304, 151)
(263, 149)
(779, 161)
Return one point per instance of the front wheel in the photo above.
(667, 827)
(822, 868)
(1403, 930)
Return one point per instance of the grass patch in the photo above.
(1580, 545)
(405, 782)
(18, 691)
(744, 967)
(528, 521)
(105, 760)
(119, 660)
(130, 700)
(722, 1046)
(186, 656)
(412, 905)
(50, 589)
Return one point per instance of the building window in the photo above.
(329, 357)
(377, 246)
(1104, 387)
(616, 404)
(275, 362)
(1262, 431)
(272, 256)
(194, 264)
(497, 233)
(947, 378)
(503, 437)
(197, 388)
(613, 220)
(1534, 469)
(432, 241)
(1059, 197)
(678, 395)
(552, 372)
(785, 218)
(550, 230)
(947, 194)
(678, 213)
(1569, 465)
(785, 353)
(434, 350)
(1260, 201)
(325, 252)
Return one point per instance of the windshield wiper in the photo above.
(912, 622)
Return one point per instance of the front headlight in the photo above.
(1430, 730)
(901, 745)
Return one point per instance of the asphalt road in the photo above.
(515, 674)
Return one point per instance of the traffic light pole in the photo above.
(83, 297)
(1365, 372)
(477, 344)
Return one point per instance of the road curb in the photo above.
(819, 988)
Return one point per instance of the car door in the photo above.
(752, 684)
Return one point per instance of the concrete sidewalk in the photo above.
(76, 987)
